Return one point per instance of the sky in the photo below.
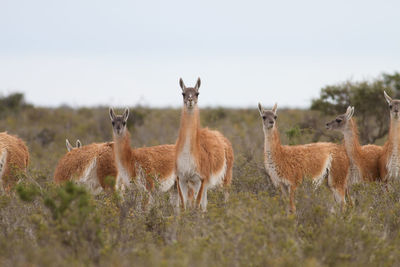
(126, 53)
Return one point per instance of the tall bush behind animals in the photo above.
(367, 97)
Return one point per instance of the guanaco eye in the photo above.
(275, 117)
(390, 106)
(183, 94)
(264, 117)
(113, 123)
(197, 94)
(338, 120)
(124, 123)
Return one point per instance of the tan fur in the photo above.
(388, 149)
(287, 166)
(209, 149)
(72, 165)
(389, 162)
(156, 162)
(17, 159)
(294, 163)
(364, 158)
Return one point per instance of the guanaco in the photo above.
(287, 166)
(204, 158)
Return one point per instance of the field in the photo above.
(45, 225)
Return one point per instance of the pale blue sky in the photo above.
(128, 52)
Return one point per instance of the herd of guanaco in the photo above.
(202, 158)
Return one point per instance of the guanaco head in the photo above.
(268, 116)
(394, 106)
(190, 94)
(340, 122)
(70, 147)
(119, 121)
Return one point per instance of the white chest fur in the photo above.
(393, 163)
(271, 168)
(90, 179)
(186, 164)
(3, 162)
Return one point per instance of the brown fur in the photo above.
(17, 159)
(154, 162)
(365, 158)
(289, 165)
(389, 162)
(209, 149)
(388, 149)
(72, 165)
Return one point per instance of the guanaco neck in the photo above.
(392, 144)
(272, 142)
(189, 129)
(124, 154)
(351, 142)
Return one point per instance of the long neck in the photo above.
(394, 131)
(123, 151)
(190, 125)
(351, 143)
(272, 142)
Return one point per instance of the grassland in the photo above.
(42, 225)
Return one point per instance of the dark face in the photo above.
(268, 116)
(119, 122)
(269, 119)
(394, 107)
(190, 94)
(338, 123)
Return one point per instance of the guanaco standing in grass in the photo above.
(14, 160)
(143, 165)
(389, 162)
(364, 160)
(287, 166)
(91, 165)
(204, 158)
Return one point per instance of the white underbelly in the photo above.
(90, 179)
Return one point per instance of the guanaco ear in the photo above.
(275, 108)
(126, 114)
(69, 147)
(198, 83)
(349, 112)
(112, 114)
(182, 84)
(388, 98)
(78, 144)
(260, 109)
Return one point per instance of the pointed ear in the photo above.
(182, 84)
(198, 83)
(275, 108)
(78, 144)
(260, 109)
(349, 112)
(388, 98)
(126, 114)
(69, 147)
(112, 114)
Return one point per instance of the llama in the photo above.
(145, 165)
(204, 158)
(92, 166)
(14, 160)
(389, 162)
(70, 147)
(364, 160)
(287, 166)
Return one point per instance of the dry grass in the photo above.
(42, 225)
